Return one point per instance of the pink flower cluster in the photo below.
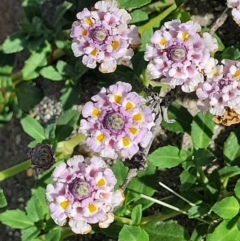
(235, 5)
(103, 36)
(221, 89)
(178, 54)
(82, 194)
(116, 122)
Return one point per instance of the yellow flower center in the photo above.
(100, 137)
(129, 106)
(137, 117)
(162, 41)
(94, 52)
(101, 182)
(185, 36)
(133, 130)
(117, 98)
(125, 141)
(115, 44)
(88, 21)
(64, 204)
(236, 74)
(92, 208)
(96, 112)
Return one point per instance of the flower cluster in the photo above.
(41, 157)
(221, 89)
(178, 54)
(82, 193)
(116, 122)
(235, 5)
(103, 36)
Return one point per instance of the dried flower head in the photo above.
(116, 122)
(102, 35)
(221, 89)
(82, 193)
(41, 157)
(178, 53)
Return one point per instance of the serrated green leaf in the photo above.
(136, 214)
(3, 201)
(33, 93)
(166, 157)
(202, 130)
(227, 208)
(120, 171)
(203, 157)
(14, 43)
(133, 233)
(51, 73)
(227, 230)
(16, 219)
(231, 149)
(65, 124)
(34, 209)
(183, 119)
(167, 231)
(133, 3)
(33, 128)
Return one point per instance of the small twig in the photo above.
(219, 22)
(178, 195)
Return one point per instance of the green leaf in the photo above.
(29, 234)
(16, 219)
(203, 157)
(33, 93)
(237, 189)
(36, 60)
(65, 124)
(145, 38)
(3, 201)
(227, 172)
(231, 53)
(227, 208)
(6, 64)
(167, 231)
(166, 157)
(136, 214)
(53, 235)
(120, 171)
(181, 115)
(34, 209)
(138, 16)
(188, 178)
(141, 184)
(202, 130)
(227, 230)
(231, 149)
(133, 233)
(14, 43)
(70, 96)
(133, 3)
(60, 11)
(33, 128)
(50, 131)
(51, 73)
(138, 62)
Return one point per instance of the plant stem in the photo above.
(157, 19)
(11, 171)
(123, 220)
(202, 175)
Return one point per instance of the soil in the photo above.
(13, 140)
